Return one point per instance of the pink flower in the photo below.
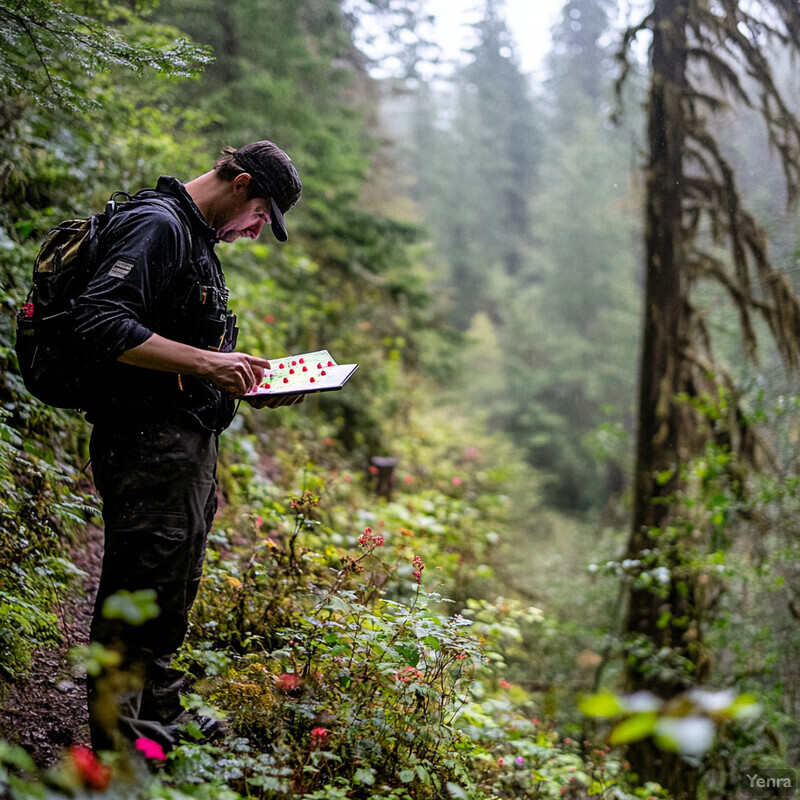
(288, 682)
(369, 542)
(504, 684)
(408, 674)
(151, 749)
(456, 481)
(318, 737)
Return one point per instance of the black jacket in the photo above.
(157, 273)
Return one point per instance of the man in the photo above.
(154, 322)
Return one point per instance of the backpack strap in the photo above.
(113, 203)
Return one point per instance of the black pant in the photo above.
(158, 485)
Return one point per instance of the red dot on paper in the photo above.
(305, 369)
(291, 372)
(282, 366)
(330, 363)
(266, 386)
(323, 372)
(319, 366)
(294, 363)
(286, 380)
(311, 380)
(302, 360)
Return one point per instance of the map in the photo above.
(303, 374)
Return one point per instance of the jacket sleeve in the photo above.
(140, 252)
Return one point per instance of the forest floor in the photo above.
(45, 711)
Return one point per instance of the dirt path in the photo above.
(46, 712)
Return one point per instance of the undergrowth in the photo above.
(325, 632)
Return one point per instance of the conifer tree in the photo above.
(703, 55)
(570, 320)
(50, 48)
(494, 153)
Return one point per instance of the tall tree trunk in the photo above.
(662, 445)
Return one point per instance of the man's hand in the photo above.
(236, 373)
(275, 401)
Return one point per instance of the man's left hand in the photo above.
(275, 401)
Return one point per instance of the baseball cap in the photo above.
(274, 176)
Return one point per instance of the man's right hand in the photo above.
(236, 373)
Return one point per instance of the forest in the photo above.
(544, 543)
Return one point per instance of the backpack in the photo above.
(49, 361)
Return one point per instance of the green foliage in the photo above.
(342, 673)
(38, 507)
(51, 48)
(134, 608)
(686, 724)
(528, 758)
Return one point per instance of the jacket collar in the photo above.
(174, 188)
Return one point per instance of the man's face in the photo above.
(241, 217)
